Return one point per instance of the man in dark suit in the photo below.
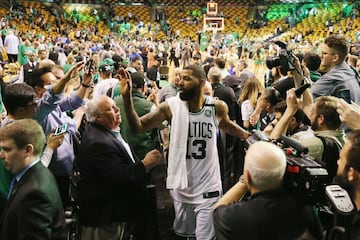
(112, 180)
(34, 209)
(27, 69)
(153, 72)
(229, 153)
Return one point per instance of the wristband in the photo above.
(85, 85)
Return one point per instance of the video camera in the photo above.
(305, 179)
(284, 59)
(308, 182)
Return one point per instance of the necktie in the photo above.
(12, 187)
(124, 143)
(116, 133)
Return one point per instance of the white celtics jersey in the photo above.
(202, 162)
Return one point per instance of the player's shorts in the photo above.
(195, 220)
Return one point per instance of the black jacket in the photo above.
(266, 215)
(112, 186)
(28, 70)
(227, 95)
(34, 210)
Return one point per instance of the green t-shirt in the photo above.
(163, 83)
(67, 67)
(23, 58)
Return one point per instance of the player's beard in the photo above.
(315, 125)
(188, 94)
(342, 180)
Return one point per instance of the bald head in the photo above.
(214, 75)
(265, 163)
(46, 63)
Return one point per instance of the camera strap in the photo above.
(330, 154)
(357, 75)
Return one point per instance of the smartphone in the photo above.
(89, 66)
(300, 90)
(61, 129)
(345, 94)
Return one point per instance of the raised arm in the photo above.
(147, 121)
(72, 73)
(260, 106)
(300, 79)
(85, 84)
(292, 106)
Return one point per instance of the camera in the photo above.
(329, 206)
(304, 178)
(284, 59)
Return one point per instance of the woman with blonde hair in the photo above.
(248, 98)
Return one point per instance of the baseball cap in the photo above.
(106, 65)
(137, 80)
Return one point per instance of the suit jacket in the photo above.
(152, 73)
(111, 187)
(227, 95)
(28, 70)
(34, 209)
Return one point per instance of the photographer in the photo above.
(264, 111)
(288, 61)
(324, 121)
(348, 175)
(338, 74)
(299, 124)
(270, 212)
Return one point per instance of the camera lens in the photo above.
(272, 62)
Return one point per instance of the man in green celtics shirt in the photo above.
(141, 143)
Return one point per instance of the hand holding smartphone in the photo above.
(89, 66)
(300, 90)
(61, 129)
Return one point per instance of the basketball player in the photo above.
(193, 165)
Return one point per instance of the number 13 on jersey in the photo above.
(196, 149)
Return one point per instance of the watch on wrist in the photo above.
(242, 179)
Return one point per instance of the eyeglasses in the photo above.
(326, 53)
